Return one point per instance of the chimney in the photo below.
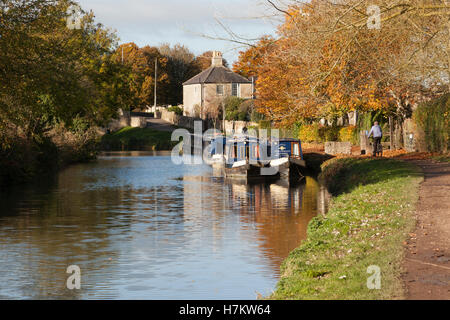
(217, 59)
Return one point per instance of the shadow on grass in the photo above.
(344, 175)
(314, 161)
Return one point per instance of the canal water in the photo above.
(140, 227)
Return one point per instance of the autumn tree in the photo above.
(252, 59)
(181, 66)
(141, 61)
(204, 60)
(329, 59)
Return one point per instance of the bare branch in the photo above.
(279, 9)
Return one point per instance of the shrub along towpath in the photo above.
(369, 219)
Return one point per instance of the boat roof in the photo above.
(289, 140)
(244, 138)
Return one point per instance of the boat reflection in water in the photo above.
(277, 213)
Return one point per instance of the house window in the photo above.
(235, 89)
(219, 89)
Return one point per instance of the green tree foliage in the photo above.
(434, 119)
(236, 109)
(51, 73)
(176, 109)
(57, 84)
(181, 66)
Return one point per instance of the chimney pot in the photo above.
(217, 59)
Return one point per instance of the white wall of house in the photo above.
(212, 96)
(191, 96)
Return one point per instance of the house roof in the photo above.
(217, 74)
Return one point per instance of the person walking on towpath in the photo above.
(377, 135)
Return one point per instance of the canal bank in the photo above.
(138, 139)
(364, 230)
(26, 159)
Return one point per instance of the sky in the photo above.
(153, 22)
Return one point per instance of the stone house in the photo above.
(204, 93)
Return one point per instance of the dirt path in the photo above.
(427, 262)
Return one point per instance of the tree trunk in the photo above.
(391, 133)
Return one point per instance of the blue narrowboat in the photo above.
(217, 151)
(250, 158)
(247, 158)
(289, 159)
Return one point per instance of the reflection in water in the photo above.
(141, 228)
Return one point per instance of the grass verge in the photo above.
(315, 160)
(442, 158)
(367, 223)
(137, 139)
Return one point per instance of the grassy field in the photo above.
(368, 221)
(137, 139)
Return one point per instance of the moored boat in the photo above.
(289, 160)
(246, 158)
(217, 151)
(249, 158)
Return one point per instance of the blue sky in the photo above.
(154, 22)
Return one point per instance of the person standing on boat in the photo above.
(377, 135)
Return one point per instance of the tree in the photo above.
(181, 66)
(51, 73)
(252, 59)
(141, 61)
(327, 59)
(204, 60)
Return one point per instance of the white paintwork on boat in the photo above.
(278, 162)
(239, 163)
(217, 158)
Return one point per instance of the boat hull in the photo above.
(285, 168)
(291, 169)
(248, 172)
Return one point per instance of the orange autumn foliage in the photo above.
(312, 70)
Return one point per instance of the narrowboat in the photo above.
(248, 158)
(217, 152)
(289, 159)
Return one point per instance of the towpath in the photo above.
(427, 261)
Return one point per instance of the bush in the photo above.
(433, 119)
(246, 106)
(236, 109)
(255, 116)
(321, 134)
(329, 134)
(349, 134)
(367, 119)
(176, 109)
(309, 133)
